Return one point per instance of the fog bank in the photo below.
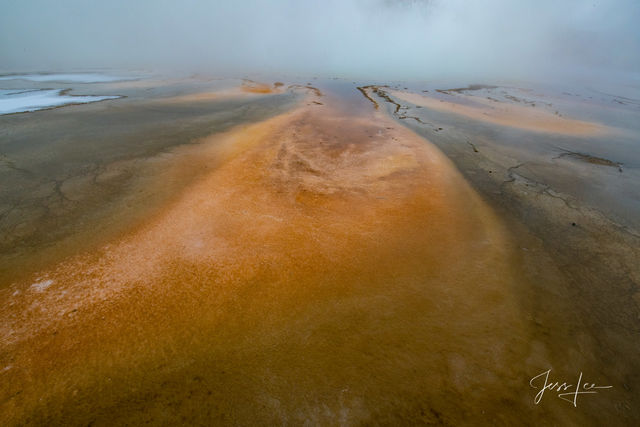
(382, 39)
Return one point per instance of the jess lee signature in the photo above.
(568, 392)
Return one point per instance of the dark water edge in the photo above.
(71, 177)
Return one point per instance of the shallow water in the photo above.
(553, 159)
(79, 172)
(578, 197)
(319, 263)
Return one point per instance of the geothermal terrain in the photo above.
(316, 252)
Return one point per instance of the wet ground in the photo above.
(578, 195)
(71, 176)
(200, 254)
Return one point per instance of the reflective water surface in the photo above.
(209, 255)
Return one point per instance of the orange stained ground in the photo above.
(330, 268)
(507, 114)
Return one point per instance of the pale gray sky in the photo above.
(385, 39)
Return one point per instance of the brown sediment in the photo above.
(250, 86)
(503, 114)
(313, 89)
(334, 269)
(224, 94)
(247, 88)
(363, 91)
(379, 90)
(592, 159)
(471, 87)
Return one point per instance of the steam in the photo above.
(380, 39)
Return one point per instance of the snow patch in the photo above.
(65, 77)
(18, 101)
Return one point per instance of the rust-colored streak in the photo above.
(250, 86)
(336, 269)
(507, 114)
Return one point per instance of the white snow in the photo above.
(17, 100)
(66, 77)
